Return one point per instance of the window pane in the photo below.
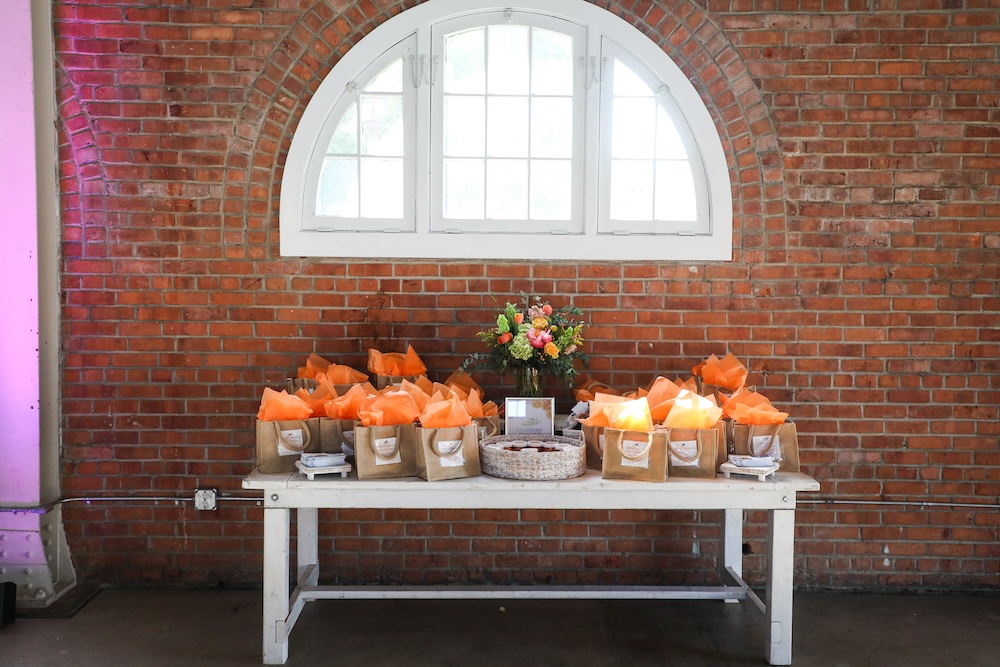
(551, 189)
(675, 193)
(389, 80)
(381, 125)
(551, 63)
(337, 191)
(507, 129)
(464, 126)
(507, 189)
(668, 142)
(381, 188)
(552, 127)
(464, 66)
(345, 139)
(463, 189)
(631, 189)
(508, 60)
(633, 127)
(628, 84)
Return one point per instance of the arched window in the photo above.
(460, 129)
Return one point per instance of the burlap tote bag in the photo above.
(279, 443)
(692, 452)
(593, 437)
(779, 441)
(635, 455)
(385, 452)
(448, 453)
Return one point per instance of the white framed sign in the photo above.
(529, 416)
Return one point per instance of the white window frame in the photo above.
(419, 240)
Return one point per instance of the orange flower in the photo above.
(551, 349)
(518, 318)
(504, 338)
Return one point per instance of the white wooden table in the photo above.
(285, 492)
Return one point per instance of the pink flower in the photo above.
(538, 338)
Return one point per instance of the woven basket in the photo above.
(568, 462)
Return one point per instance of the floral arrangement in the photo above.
(532, 341)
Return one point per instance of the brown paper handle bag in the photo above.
(306, 437)
(392, 454)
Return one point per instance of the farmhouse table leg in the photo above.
(780, 570)
(276, 535)
(307, 544)
(732, 546)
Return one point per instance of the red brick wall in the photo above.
(862, 138)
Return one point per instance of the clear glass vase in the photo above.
(529, 382)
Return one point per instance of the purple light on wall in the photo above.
(19, 377)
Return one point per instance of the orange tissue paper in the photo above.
(661, 397)
(323, 392)
(761, 414)
(745, 398)
(727, 372)
(389, 409)
(692, 411)
(394, 364)
(346, 406)
(281, 406)
(445, 414)
(630, 415)
(597, 404)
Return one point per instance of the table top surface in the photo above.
(590, 482)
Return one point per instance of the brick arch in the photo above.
(683, 29)
(82, 189)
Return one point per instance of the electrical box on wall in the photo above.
(206, 499)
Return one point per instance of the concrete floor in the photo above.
(139, 628)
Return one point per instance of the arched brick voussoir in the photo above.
(682, 28)
(83, 185)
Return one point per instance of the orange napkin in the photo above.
(389, 409)
(281, 406)
(692, 411)
(346, 406)
(727, 372)
(445, 414)
(317, 399)
(597, 405)
(394, 364)
(764, 413)
(630, 415)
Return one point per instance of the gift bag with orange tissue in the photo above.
(594, 425)
(385, 437)
(448, 442)
(721, 377)
(692, 411)
(485, 415)
(761, 430)
(634, 455)
(284, 429)
(392, 367)
(692, 452)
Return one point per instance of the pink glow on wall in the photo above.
(19, 377)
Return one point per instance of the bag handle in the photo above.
(683, 457)
(770, 442)
(495, 425)
(306, 437)
(392, 454)
(644, 452)
(436, 447)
